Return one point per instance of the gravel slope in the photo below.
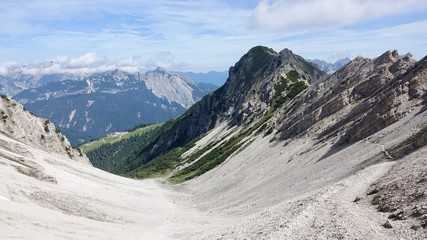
(300, 189)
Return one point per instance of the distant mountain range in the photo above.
(328, 67)
(18, 80)
(99, 105)
(19, 77)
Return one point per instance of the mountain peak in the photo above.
(256, 59)
(118, 75)
(388, 56)
(160, 70)
(261, 50)
(286, 53)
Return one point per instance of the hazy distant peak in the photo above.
(330, 67)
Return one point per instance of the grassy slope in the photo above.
(88, 147)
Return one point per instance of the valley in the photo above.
(280, 151)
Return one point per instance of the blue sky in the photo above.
(202, 35)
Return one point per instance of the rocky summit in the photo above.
(281, 151)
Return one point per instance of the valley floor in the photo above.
(295, 190)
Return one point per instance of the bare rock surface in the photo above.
(23, 126)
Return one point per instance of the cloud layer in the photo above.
(85, 64)
(288, 15)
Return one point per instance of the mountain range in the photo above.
(328, 67)
(15, 78)
(281, 151)
(99, 105)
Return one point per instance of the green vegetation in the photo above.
(279, 99)
(260, 57)
(121, 154)
(293, 75)
(88, 147)
(209, 161)
(296, 89)
(164, 163)
(286, 90)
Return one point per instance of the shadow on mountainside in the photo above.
(333, 150)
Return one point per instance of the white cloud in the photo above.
(164, 60)
(85, 64)
(297, 16)
(205, 35)
(3, 70)
(405, 38)
(88, 60)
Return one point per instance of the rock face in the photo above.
(99, 105)
(23, 126)
(358, 100)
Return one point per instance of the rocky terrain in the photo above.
(23, 126)
(281, 151)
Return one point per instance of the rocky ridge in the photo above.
(23, 126)
(358, 100)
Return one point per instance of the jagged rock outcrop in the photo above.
(22, 126)
(358, 100)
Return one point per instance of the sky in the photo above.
(201, 35)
